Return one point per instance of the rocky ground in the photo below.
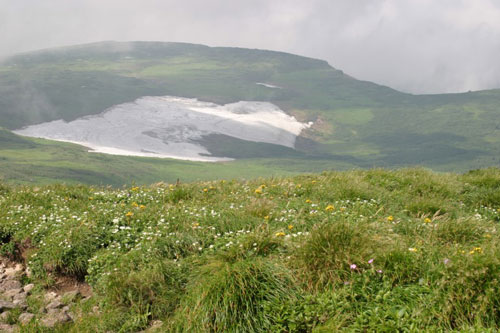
(21, 303)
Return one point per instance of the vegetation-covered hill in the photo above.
(357, 124)
(385, 251)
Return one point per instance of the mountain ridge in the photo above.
(357, 121)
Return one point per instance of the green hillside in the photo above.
(376, 251)
(357, 123)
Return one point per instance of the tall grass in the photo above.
(404, 250)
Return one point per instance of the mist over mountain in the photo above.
(416, 46)
(342, 122)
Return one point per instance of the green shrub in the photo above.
(327, 255)
(142, 288)
(230, 296)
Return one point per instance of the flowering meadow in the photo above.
(378, 250)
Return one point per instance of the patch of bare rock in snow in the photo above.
(172, 127)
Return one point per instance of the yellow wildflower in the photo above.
(136, 188)
(258, 190)
(280, 234)
(135, 204)
(329, 208)
(308, 201)
(390, 218)
(290, 227)
(205, 190)
(142, 206)
(266, 217)
(129, 214)
(314, 182)
(427, 220)
(412, 249)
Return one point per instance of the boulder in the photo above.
(11, 294)
(7, 328)
(55, 304)
(28, 288)
(25, 318)
(6, 305)
(7, 285)
(55, 317)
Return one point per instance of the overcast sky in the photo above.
(419, 46)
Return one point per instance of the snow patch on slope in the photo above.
(268, 85)
(171, 127)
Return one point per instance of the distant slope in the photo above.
(356, 121)
(29, 161)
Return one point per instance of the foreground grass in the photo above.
(377, 250)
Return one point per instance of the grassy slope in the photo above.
(38, 161)
(357, 123)
(406, 250)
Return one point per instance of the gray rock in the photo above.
(25, 318)
(14, 271)
(10, 294)
(20, 303)
(4, 316)
(21, 296)
(157, 324)
(29, 287)
(52, 312)
(55, 317)
(85, 299)
(50, 296)
(54, 304)
(6, 305)
(7, 285)
(7, 328)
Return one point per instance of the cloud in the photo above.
(420, 46)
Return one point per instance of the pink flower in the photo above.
(379, 271)
(446, 261)
(353, 266)
(370, 261)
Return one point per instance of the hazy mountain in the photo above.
(352, 123)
